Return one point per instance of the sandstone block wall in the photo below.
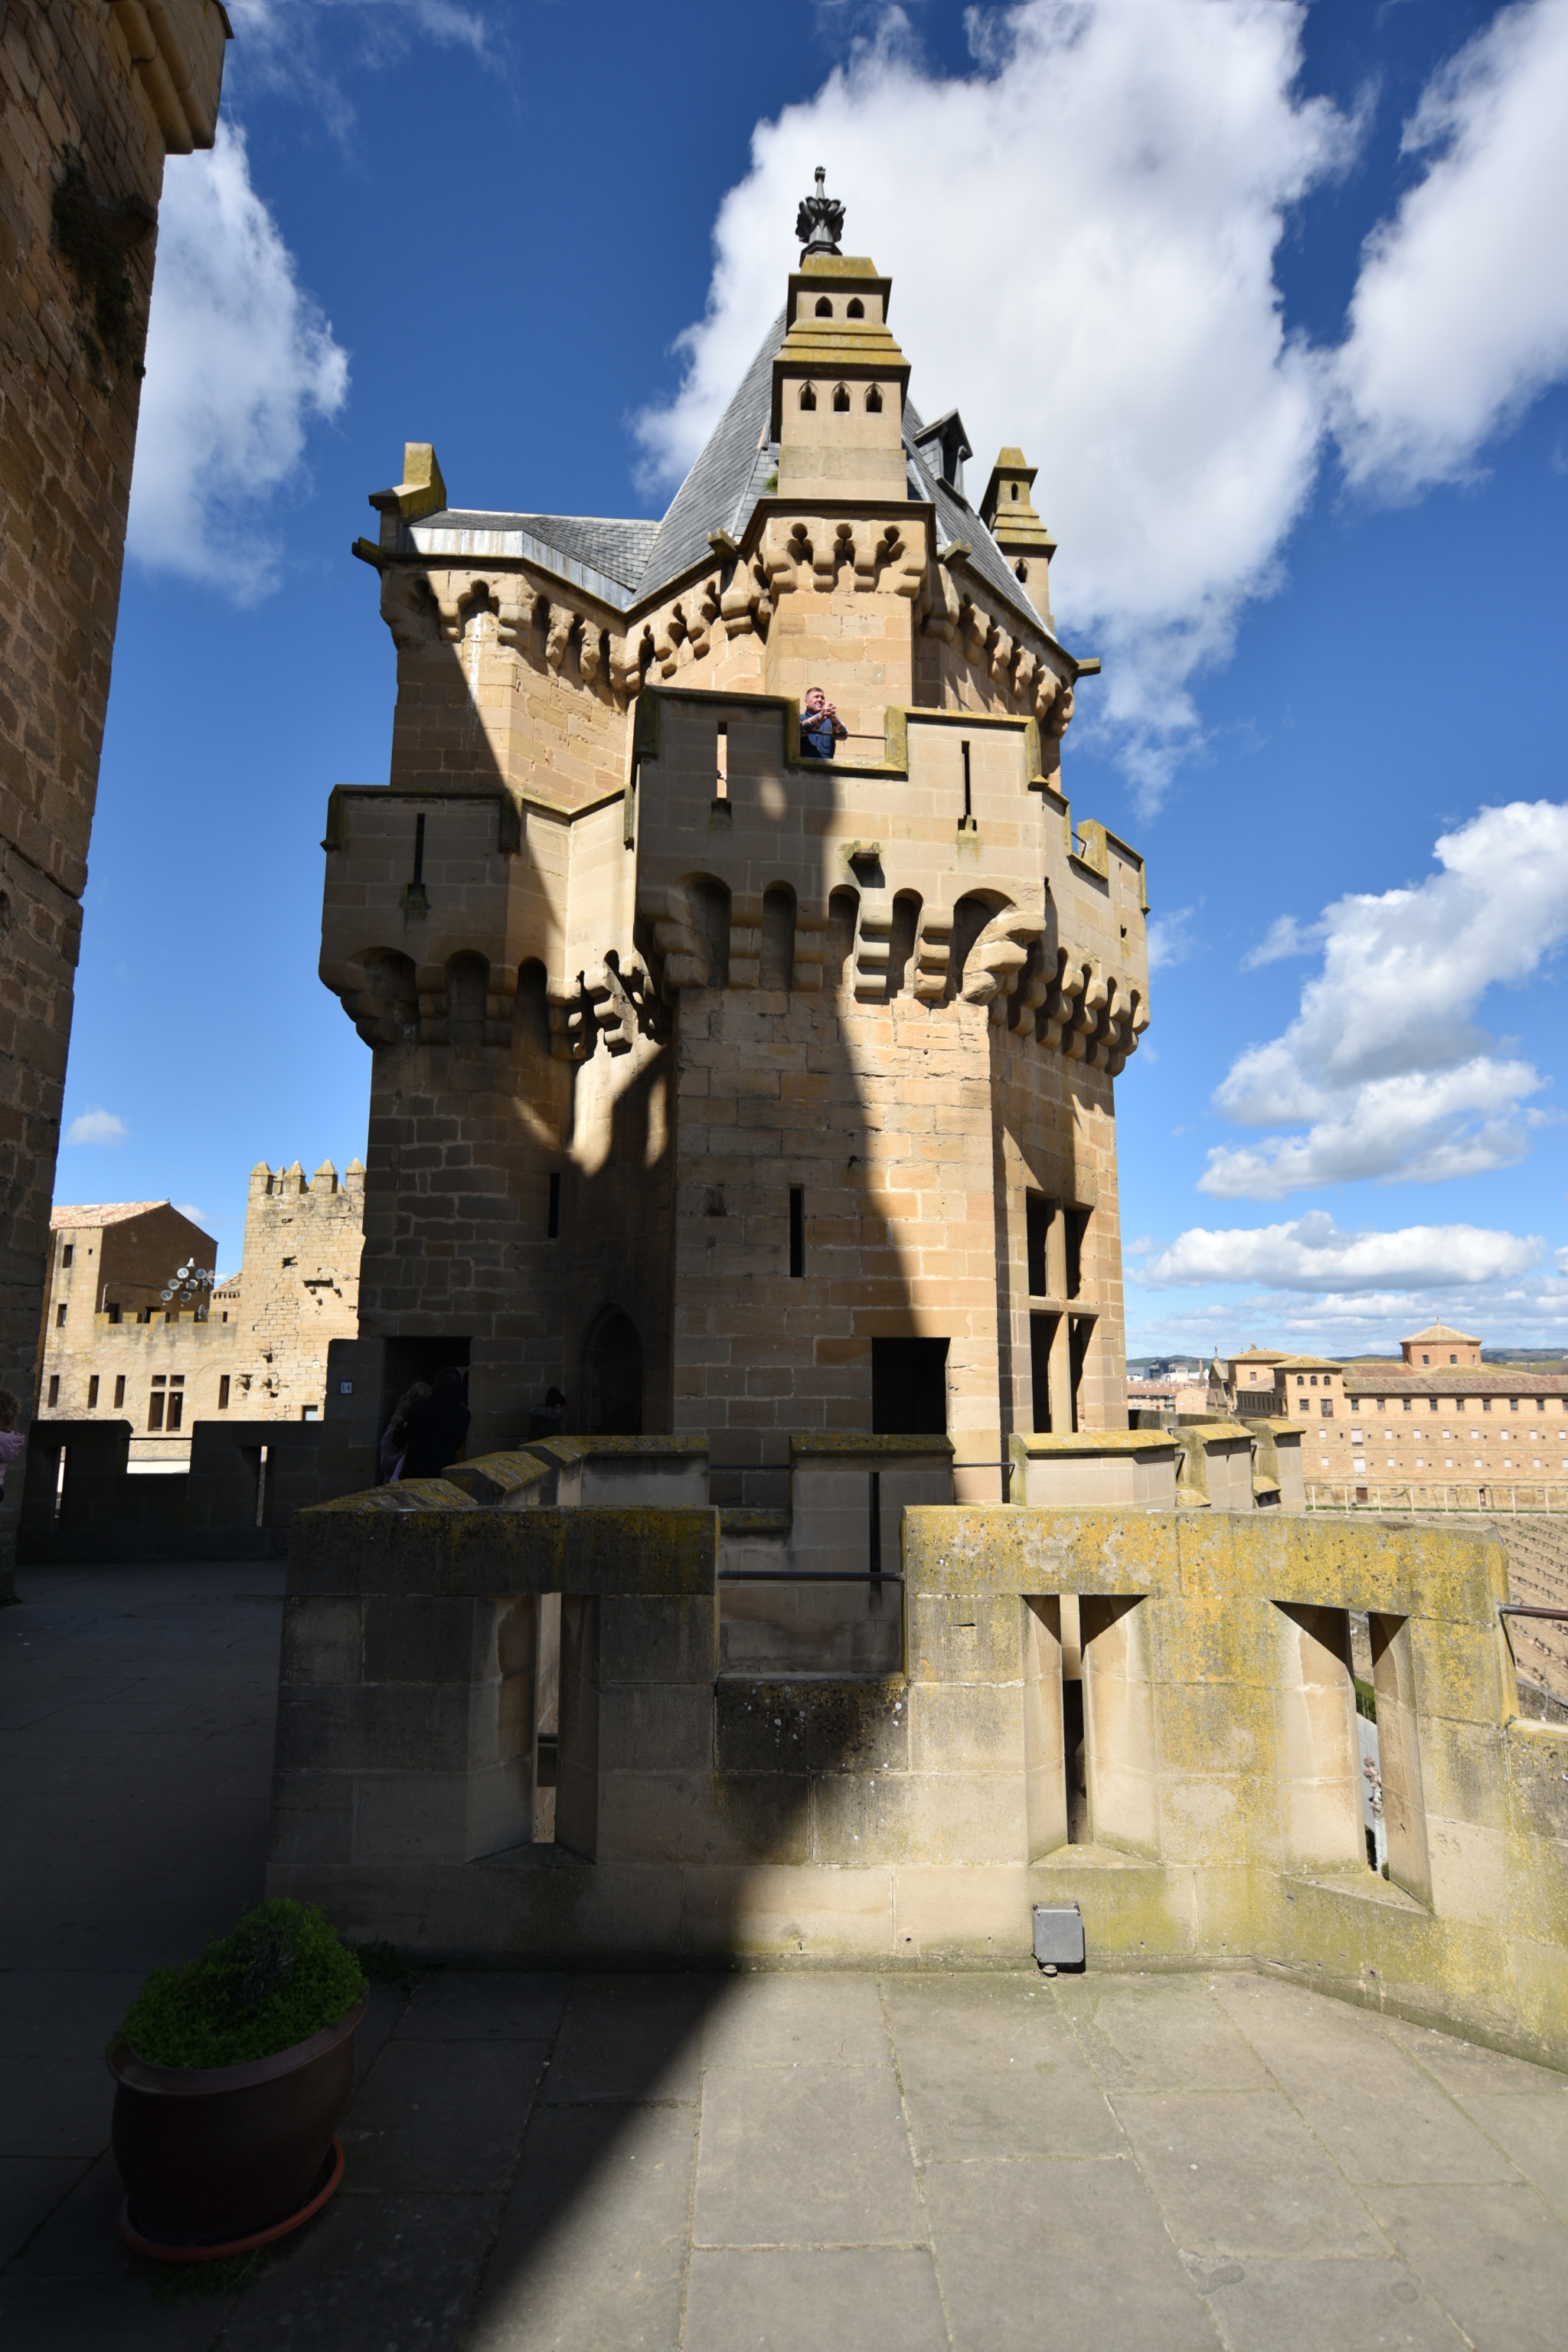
(91, 100)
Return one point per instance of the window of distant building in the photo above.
(1305, 1404)
(92, 1393)
(118, 1390)
(1328, 1406)
(176, 1400)
(223, 1392)
(54, 1389)
(113, 1311)
(155, 1401)
(59, 1319)
(67, 1254)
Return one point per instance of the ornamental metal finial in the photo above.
(819, 223)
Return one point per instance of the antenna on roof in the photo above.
(819, 223)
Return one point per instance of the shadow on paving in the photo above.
(701, 2163)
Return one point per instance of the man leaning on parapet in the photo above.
(820, 726)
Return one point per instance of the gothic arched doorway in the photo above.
(611, 1376)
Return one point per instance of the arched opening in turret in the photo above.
(611, 1376)
(1013, 491)
(970, 916)
(467, 985)
(856, 308)
(841, 400)
(807, 397)
(777, 965)
(902, 939)
(710, 903)
(531, 1013)
(843, 915)
(873, 402)
(824, 307)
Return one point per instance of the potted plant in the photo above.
(233, 2073)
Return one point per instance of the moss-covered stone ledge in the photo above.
(668, 1472)
(505, 1482)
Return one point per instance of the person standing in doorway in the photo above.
(437, 1427)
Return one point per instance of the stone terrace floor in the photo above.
(717, 2163)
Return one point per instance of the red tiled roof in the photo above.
(101, 1212)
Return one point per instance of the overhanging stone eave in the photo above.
(894, 509)
(501, 549)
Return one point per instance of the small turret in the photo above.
(839, 379)
(1008, 510)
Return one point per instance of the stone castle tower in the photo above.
(736, 1092)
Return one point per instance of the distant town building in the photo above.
(125, 1339)
(1440, 1425)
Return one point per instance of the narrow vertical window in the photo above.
(797, 1229)
(721, 761)
(223, 1392)
(54, 1389)
(155, 1410)
(59, 1319)
(67, 1252)
(118, 1390)
(419, 849)
(1037, 1215)
(92, 1393)
(553, 1229)
(176, 1408)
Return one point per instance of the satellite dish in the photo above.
(166, 1295)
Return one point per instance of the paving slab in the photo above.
(1377, 2113)
(1239, 2172)
(781, 2020)
(989, 2063)
(804, 2156)
(591, 2251)
(484, 2005)
(1060, 2256)
(436, 2116)
(1495, 2259)
(1322, 2305)
(372, 2272)
(879, 2298)
(1159, 2033)
(628, 2038)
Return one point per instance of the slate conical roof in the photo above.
(627, 563)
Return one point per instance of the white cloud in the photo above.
(282, 45)
(1310, 1253)
(1088, 271)
(96, 1126)
(1285, 936)
(1385, 1063)
(238, 360)
(1171, 939)
(1460, 313)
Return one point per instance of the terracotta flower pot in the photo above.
(212, 2156)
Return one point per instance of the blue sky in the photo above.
(1273, 297)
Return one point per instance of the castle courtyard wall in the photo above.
(109, 90)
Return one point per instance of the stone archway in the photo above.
(611, 1376)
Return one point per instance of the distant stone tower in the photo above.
(731, 1090)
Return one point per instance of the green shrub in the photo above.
(278, 1978)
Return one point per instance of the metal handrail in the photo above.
(810, 1576)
